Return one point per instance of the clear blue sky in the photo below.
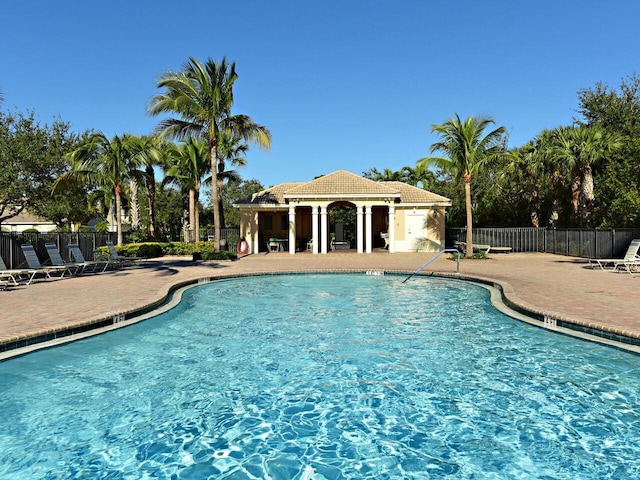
(341, 84)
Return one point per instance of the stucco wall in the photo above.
(429, 240)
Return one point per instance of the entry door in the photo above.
(415, 230)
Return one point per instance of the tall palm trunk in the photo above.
(196, 200)
(192, 215)
(534, 213)
(151, 199)
(214, 194)
(534, 209)
(467, 200)
(575, 198)
(223, 223)
(587, 193)
(118, 192)
(134, 208)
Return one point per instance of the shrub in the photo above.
(179, 248)
(160, 249)
(207, 252)
(224, 255)
(102, 227)
(147, 250)
(475, 256)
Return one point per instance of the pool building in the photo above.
(343, 210)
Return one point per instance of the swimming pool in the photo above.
(323, 376)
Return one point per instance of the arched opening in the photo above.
(342, 225)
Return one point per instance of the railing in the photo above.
(586, 243)
(88, 242)
(12, 254)
(432, 259)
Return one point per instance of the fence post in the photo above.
(613, 242)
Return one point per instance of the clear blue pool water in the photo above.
(323, 377)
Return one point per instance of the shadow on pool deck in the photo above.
(560, 287)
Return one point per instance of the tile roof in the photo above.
(341, 182)
(346, 185)
(26, 217)
(411, 194)
(273, 195)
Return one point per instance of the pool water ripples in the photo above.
(323, 377)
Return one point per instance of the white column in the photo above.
(369, 231)
(292, 229)
(392, 228)
(359, 229)
(324, 221)
(314, 229)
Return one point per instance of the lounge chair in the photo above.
(78, 257)
(34, 264)
(630, 258)
(15, 275)
(478, 247)
(56, 260)
(122, 259)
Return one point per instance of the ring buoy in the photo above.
(243, 247)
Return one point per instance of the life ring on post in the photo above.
(243, 247)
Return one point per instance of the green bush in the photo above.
(146, 250)
(161, 249)
(102, 227)
(475, 256)
(207, 252)
(224, 255)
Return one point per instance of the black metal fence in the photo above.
(88, 242)
(572, 242)
(12, 253)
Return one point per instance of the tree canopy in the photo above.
(32, 156)
(202, 96)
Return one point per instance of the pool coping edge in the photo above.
(552, 321)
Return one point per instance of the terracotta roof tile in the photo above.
(270, 196)
(411, 194)
(342, 182)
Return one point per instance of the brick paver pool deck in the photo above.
(562, 288)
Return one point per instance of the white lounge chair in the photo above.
(34, 264)
(479, 247)
(630, 258)
(14, 276)
(122, 259)
(57, 261)
(94, 265)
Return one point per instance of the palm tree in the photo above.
(133, 160)
(146, 152)
(101, 202)
(101, 162)
(579, 149)
(189, 165)
(203, 97)
(232, 149)
(530, 162)
(419, 175)
(467, 149)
